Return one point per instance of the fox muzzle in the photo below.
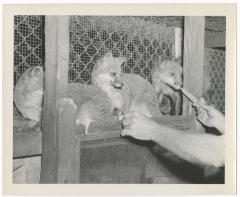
(117, 83)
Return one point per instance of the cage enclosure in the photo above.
(68, 47)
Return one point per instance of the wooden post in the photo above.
(193, 58)
(68, 163)
(193, 62)
(55, 88)
(178, 42)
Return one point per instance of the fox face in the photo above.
(167, 72)
(107, 72)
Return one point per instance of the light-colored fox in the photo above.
(93, 104)
(170, 72)
(164, 73)
(125, 92)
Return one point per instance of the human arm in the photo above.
(199, 148)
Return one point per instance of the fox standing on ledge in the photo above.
(126, 92)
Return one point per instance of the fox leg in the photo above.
(83, 116)
(87, 123)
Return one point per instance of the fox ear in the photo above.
(108, 55)
(106, 58)
(36, 71)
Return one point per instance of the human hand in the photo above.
(209, 115)
(138, 126)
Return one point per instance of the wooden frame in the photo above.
(60, 139)
(24, 140)
(193, 58)
(55, 168)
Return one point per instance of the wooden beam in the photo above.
(178, 42)
(56, 81)
(104, 143)
(68, 163)
(30, 143)
(215, 39)
(193, 58)
(193, 61)
(108, 130)
(27, 143)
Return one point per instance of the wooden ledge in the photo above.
(108, 130)
(27, 143)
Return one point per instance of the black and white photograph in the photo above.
(119, 99)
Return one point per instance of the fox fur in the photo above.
(171, 71)
(168, 71)
(113, 93)
(126, 91)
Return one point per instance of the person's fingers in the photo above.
(202, 101)
(203, 111)
(200, 117)
(200, 110)
(195, 104)
(203, 115)
(125, 132)
(206, 107)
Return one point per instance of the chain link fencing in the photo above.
(28, 43)
(215, 62)
(143, 40)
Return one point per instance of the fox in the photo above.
(127, 91)
(92, 104)
(112, 93)
(28, 95)
(170, 72)
(162, 74)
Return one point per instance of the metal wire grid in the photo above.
(216, 67)
(28, 43)
(142, 42)
(92, 37)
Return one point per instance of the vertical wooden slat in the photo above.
(193, 57)
(69, 143)
(178, 42)
(193, 61)
(55, 87)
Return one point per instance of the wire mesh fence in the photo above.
(215, 60)
(140, 40)
(143, 40)
(28, 43)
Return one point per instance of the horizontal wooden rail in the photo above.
(29, 143)
(108, 130)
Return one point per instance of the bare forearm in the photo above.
(196, 148)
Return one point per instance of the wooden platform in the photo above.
(28, 143)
